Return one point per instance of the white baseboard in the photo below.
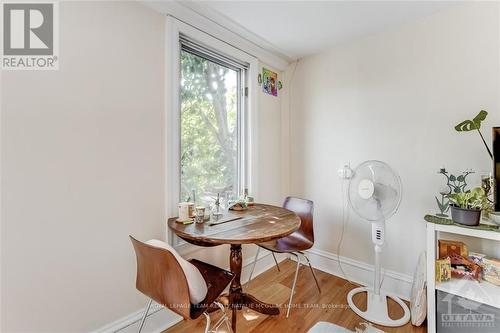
(360, 272)
(160, 318)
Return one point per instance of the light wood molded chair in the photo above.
(161, 278)
(295, 243)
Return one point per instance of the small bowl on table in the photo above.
(238, 205)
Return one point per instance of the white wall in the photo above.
(394, 96)
(269, 182)
(82, 168)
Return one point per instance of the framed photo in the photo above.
(269, 82)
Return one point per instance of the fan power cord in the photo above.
(345, 219)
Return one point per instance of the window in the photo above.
(212, 123)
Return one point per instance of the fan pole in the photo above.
(378, 239)
(376, 285)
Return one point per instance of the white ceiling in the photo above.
(300, 28)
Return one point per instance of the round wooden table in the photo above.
(260, 223)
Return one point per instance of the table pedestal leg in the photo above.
(237, 298)
(235, 261)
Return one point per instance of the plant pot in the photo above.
(465, 216)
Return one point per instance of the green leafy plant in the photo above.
(475, 125)
(473, 199)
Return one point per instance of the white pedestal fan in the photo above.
(375, 194)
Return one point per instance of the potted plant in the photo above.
(466, 207)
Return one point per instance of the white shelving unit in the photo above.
(481, 292)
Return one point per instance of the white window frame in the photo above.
(174, 30)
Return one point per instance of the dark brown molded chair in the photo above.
(161, 278)
(295, 243)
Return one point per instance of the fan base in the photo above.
(376, 307)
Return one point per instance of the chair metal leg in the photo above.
(253, 266)
(224, 317)
(276, 261)
(293, 285)
(312, 271)
(145, 315)
(207, 326)
(229, 328)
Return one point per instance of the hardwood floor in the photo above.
(274, 287)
